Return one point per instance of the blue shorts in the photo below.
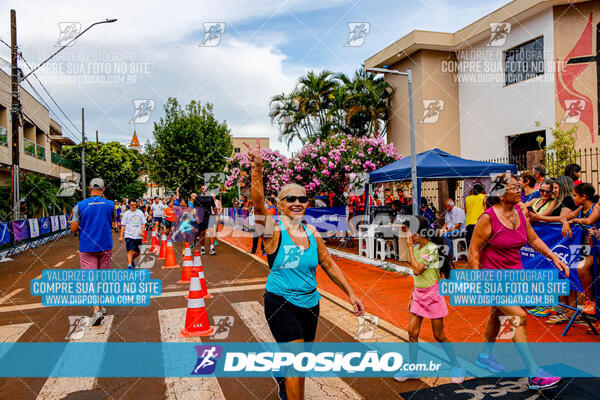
(157, 219)
(133, 244)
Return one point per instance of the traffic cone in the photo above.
(187, 251)
(145, 237)
(187, 268)
(170, 261)
(163, 247)
(198, 269)
(196, 318)
(154, 246)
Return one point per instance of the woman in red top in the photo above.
(498, 236)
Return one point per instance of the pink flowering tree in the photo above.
(328, 165)
(276, 171)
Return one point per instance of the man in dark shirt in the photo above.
(205, 208)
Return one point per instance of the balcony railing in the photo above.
(3, 136)
(28, 147)
(40, 152)
(60, 160)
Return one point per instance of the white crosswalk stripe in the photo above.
(184, 388)
(58, 388)
(252, 315)
(12, 333)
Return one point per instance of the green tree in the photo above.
(562, 151)
(325, 104)
(187, 143)
(117, 165)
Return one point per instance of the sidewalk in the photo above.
(386, 293)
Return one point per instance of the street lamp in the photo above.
(106, 21)
(16, 106)
(413, 155)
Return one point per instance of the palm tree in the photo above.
(39, 194)
(325, 104)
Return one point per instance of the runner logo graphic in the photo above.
(69, 182)
(142, 108)
(213, 182)
(291, 256)
(431, 111)
(68, 32)
(357, 33)
(212, 34)
(573, 111)
(77, 327)
(223, 324)
(207, 359)
(508, 326)
(366, 327)
(498, 33)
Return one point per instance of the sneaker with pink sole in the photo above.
(542, 380)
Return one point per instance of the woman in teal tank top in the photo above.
(294, 250)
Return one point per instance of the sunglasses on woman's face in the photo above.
(545, 191)
(292, 199)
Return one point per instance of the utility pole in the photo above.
(83, 187)
(96, 140)
(15, 117)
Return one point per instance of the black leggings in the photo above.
(289, 322)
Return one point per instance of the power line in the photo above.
(7, 45)
(49, 109)
(48, 93)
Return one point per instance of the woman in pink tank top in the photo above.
(498, 236)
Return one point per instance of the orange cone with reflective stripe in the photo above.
(199, 270)
(196, 318)
(187, 268)
(170, 261)
(145, 237)
(163, 247)
(154, 247)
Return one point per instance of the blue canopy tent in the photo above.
(437, 164)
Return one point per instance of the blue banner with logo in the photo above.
(4, 233)
(44, 225)
(571, 250)
(327, 219)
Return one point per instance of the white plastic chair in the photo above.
(456, 248)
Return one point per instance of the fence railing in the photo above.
(60, 160)
(588, 159)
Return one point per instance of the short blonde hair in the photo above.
(288, 188)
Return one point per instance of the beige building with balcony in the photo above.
(40, 138)
(238, 143)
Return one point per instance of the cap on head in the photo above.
(97, 183)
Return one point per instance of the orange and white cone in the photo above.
(145, 237)
(170, 260)
(198, 270)
(187, 269)
(154, 246)
(163, 247)
(196, 318)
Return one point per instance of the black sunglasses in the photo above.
(292, 199)
(545, 191)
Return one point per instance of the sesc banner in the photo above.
(327, 219)
(19, 230)
(44, 225)
(34, 229)
(54, 223)
(63, 222)
(570, 250)
(4, 233)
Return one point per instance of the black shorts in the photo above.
(133, 244)
(168, 224)
(289, 322)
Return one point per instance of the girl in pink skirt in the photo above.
(425, 300)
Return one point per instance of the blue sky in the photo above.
(265, 48)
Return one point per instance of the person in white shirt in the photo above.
(455, 224)
(158, 212)
(132, 226)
